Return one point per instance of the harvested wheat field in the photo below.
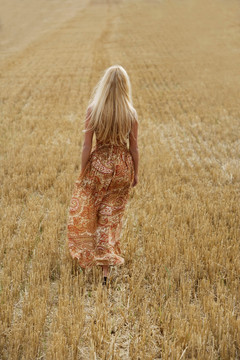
(178, 294)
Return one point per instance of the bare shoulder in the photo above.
(134, 114)
(88, 116)
(88, 112)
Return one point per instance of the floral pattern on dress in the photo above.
(97, 206)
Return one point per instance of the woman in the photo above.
(107, 173)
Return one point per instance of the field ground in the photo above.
(177, 296)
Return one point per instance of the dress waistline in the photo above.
(98, 146)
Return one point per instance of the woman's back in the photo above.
(119, 141)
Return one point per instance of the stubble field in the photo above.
(178, 294)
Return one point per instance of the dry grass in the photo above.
(177, 297)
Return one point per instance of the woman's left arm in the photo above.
(87, 143)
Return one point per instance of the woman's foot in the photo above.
(104, 280)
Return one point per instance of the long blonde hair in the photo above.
(110, 107)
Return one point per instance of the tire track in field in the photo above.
(37, 66)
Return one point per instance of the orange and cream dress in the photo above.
(97, 206)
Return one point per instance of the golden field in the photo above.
(178, 294)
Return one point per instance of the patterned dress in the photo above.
(97, 206)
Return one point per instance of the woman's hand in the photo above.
(135, 181)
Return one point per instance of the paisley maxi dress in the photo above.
(97, 206)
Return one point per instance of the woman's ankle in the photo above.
(105, 270)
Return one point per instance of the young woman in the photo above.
(107, 173)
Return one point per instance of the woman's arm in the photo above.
(133, 148)
(87, 143)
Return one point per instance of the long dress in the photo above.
(97, 206)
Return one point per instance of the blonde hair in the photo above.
(110, 107)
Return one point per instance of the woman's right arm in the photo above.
(133, 148)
